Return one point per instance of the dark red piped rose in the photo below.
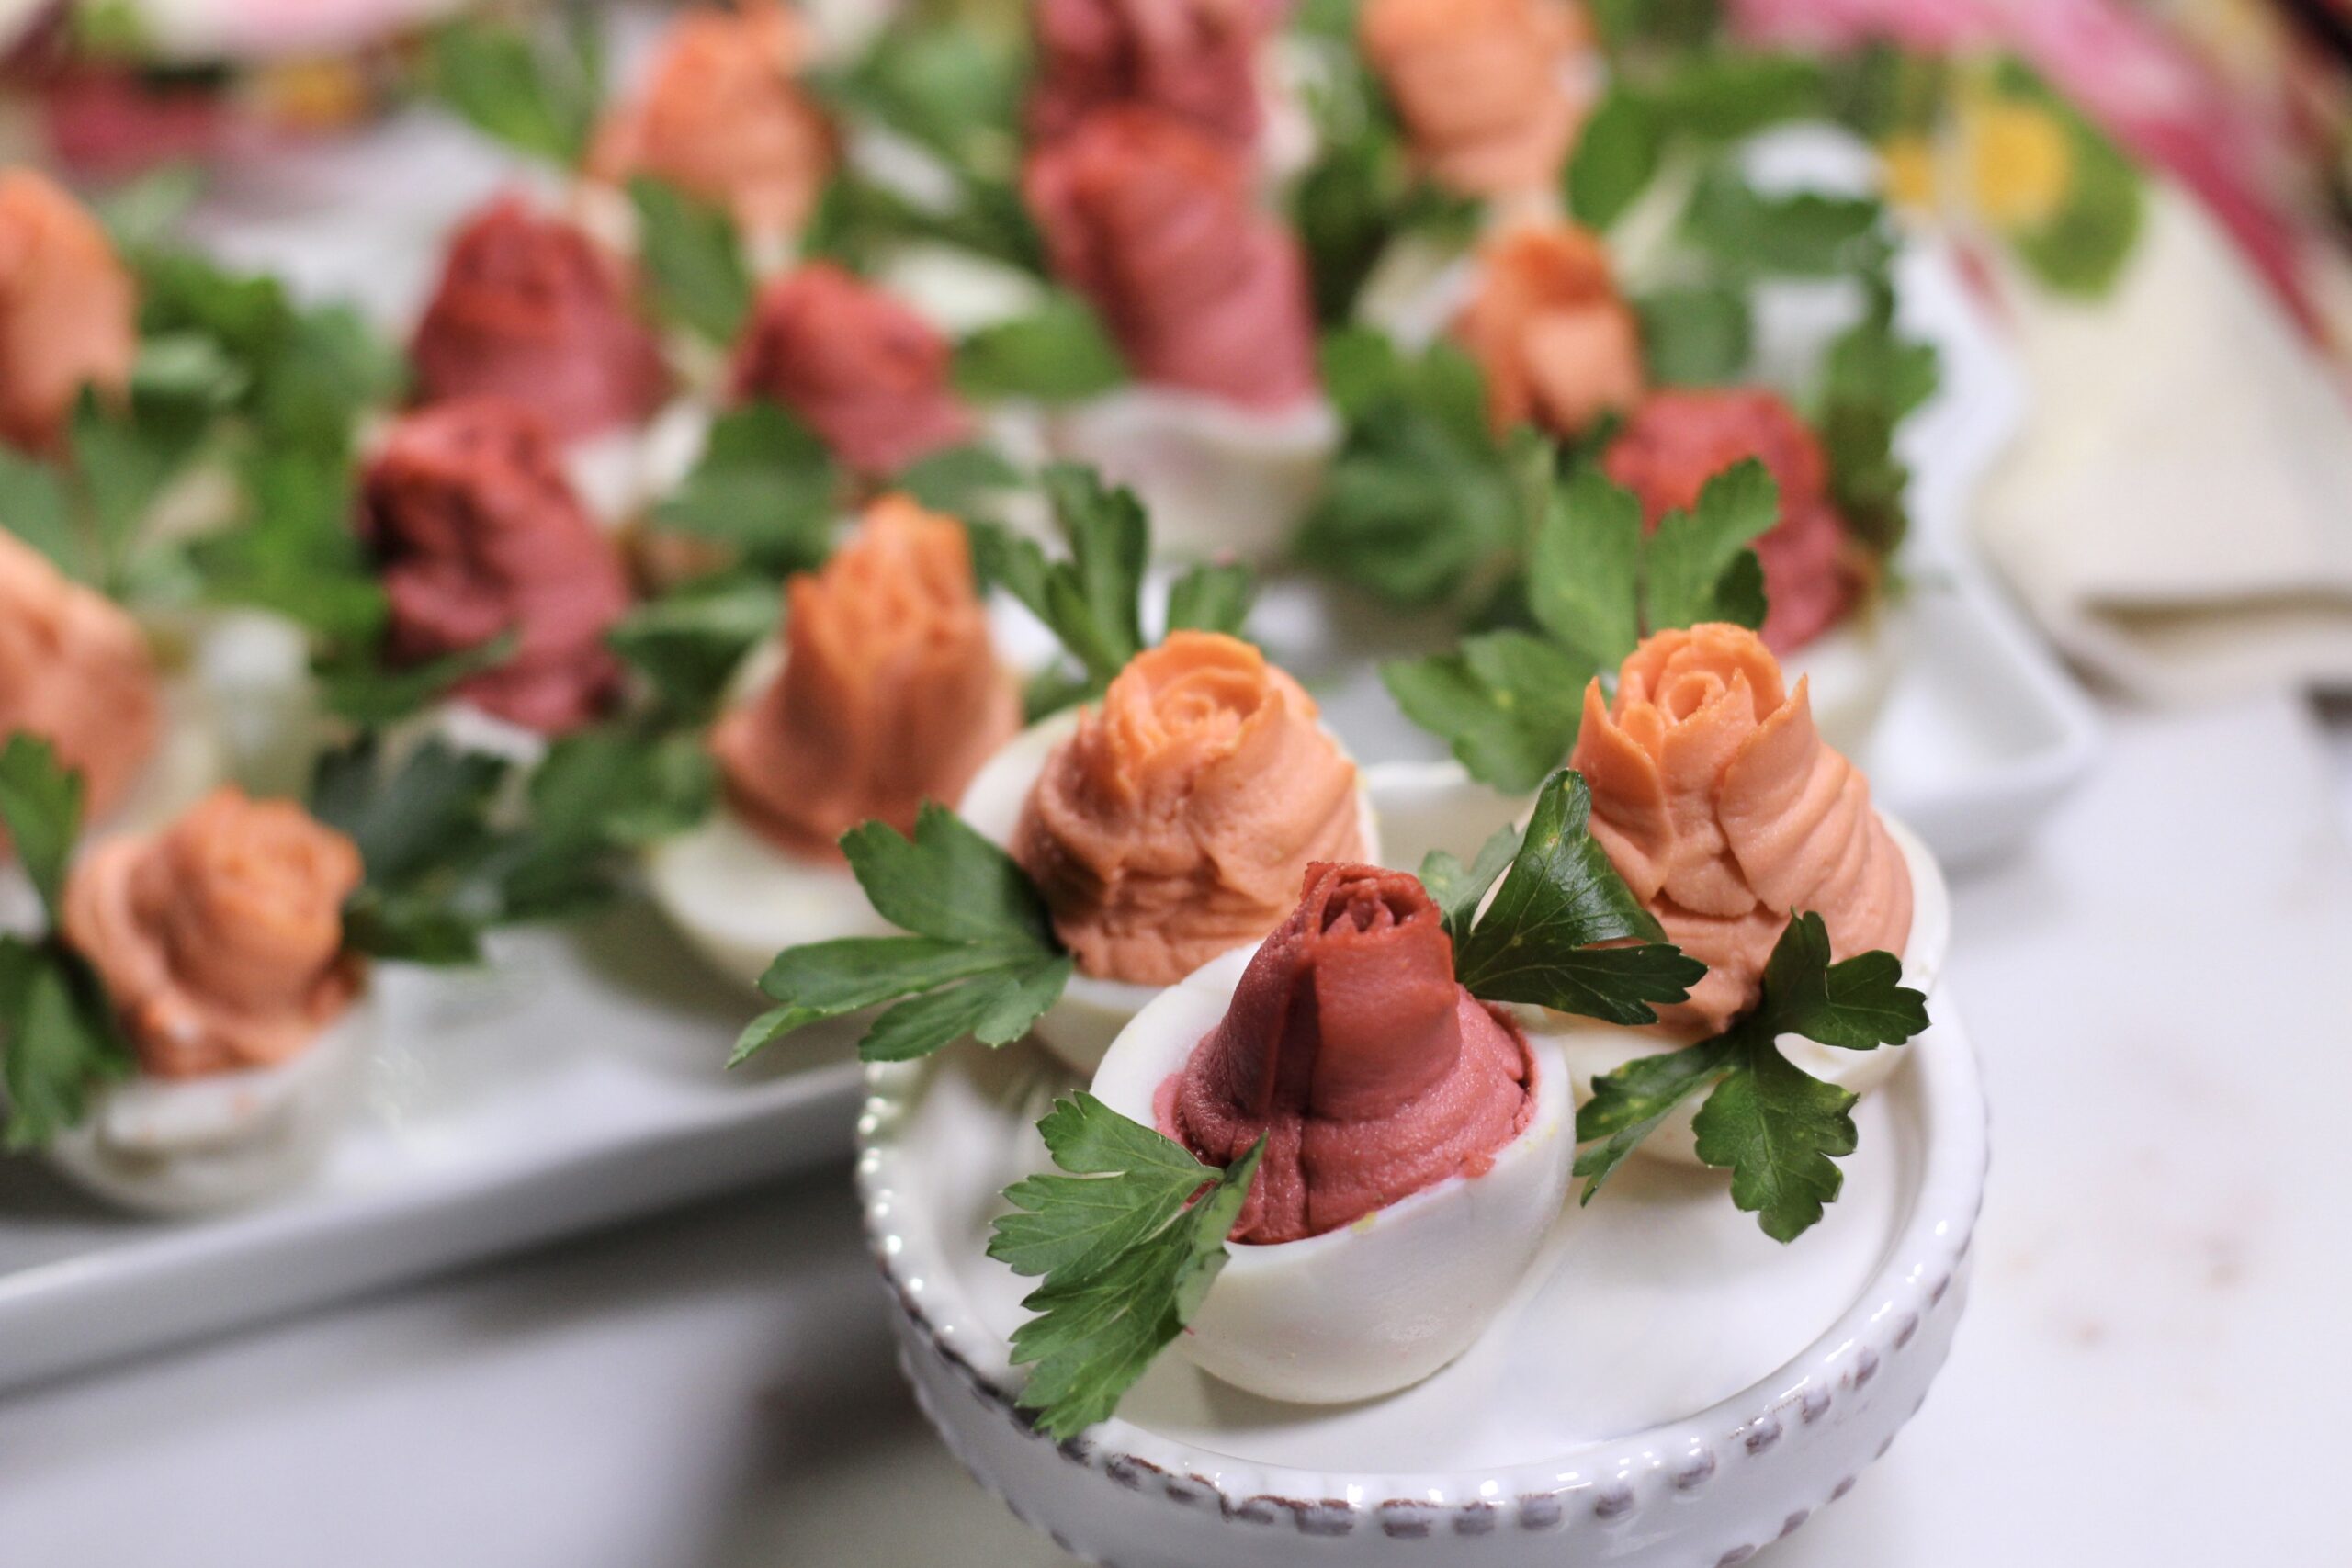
(531, 308)
(1157, 224)
(865, 371)
(477, 533)
(1677, 440)
(1351, 1050)
(1196, 60)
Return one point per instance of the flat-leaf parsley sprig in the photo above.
(1774, 1126)
(1510, 701)
(1130, 1240)
(980, 958)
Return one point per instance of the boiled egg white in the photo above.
(1593, 1048)
(619, 475)
(202, 1145)
(1093, 1010)
(1379, 1304)
(1220, 479)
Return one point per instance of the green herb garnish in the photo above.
(1129, 1241)
(1774, 1126)
(982, 960)
(59, 1039)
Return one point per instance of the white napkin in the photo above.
(2179, 510)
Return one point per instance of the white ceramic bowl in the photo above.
(1673, 1388)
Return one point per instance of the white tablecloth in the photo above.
(2151, 1371)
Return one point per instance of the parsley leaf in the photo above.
(539, 91)
(1126, 1250)
(421, 824)
(1695, 570)
(1457, 889)
(40, 803)
(1872, 379)
(1421, 499)
(694, 260)
(1536, 943)
(1058, 353)
(1802, 234)
(1615, 158)
(982, 959)
(766, 487)
(1585, 571)
(1508, 703)
(1212, 598)
(58, 1036)
(1776, 1127)
(689, 642)
(1696, 335)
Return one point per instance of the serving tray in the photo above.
(577, 1082)
(1671, 1387)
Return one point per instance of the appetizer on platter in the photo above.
(77, 672)
(1155, 221)
(186, 1035)
(888, 692)
(1169, 824)
(68, 310)
(1724, 811)
(481, 542)
(721, 115)
(531, 308)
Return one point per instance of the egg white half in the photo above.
(739, 900)
(1593, 1048)
(1093, 1010)
(1220, 481)
(1379, 1304)
(200, 1145)
(619, 474)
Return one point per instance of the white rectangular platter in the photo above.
(581, 1081)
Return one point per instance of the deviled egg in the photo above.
(1725, 812)
(1169, 824)
(218, 941)
(888, 692)
(1418, 1145)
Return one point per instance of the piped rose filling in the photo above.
(68, 312)
(890, 693)
(723, 118)
(1349, 1048)
(1725, 813)
(75, 670)
(1481, 87)
(1174, 823)
(1157, 224)
(478, 533)
(529, 308)
(866, 373)
(1195, 59)
(1677, 440)
(219, 939)
(1558, 344)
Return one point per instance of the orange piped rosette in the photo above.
(890, 694)
(68, 310)
(1481, 87)
(219, 938)
(75, 669)
(1177, 820)
(1559, 345)
(1726, 812)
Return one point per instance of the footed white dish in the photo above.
(1669, 1387)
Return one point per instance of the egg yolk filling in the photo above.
(1351, 1048)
